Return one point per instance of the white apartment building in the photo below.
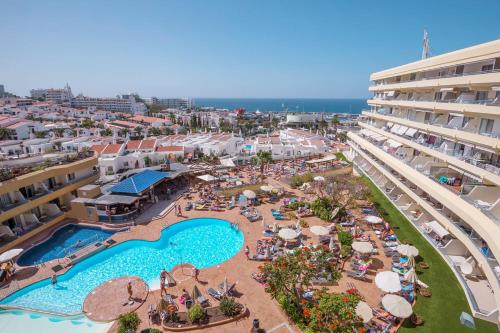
(126, 104)
(431, 143)
(51, 94)
(172, 103)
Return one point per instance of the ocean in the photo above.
(336, 105)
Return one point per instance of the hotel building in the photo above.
(431, 143)
(32, 202)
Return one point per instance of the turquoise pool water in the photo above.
(62, 243)
(202, 242)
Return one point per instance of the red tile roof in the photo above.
(170, 148)
(145, 119)
(133, 144)
(148, 144)
(98, 148)
(112, 148)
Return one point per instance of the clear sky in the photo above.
(210, 48)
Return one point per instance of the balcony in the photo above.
(474, 162)
(446, 80)
(488, 142)
(420, 208)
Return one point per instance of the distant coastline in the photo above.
(330, 105)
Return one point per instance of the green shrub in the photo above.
(296, 181)
(128, 322)
(308, 177)
(345, 238)
(195, 313)
(345, 251)
(229, 307)
(151, 330)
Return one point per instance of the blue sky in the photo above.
(261, 48)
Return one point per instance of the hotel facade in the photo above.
(431, 143)
(35, 201)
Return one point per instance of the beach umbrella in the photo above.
(319, 179)
(388, 281)
(195, 293)
(372, 219)
(411, 261)
(397, 306)
(407, 250)
(266, 188)
(331, 245)
(9, 255)
(225, 286)
(466, 268)
(287, 233)
(319, 230)
(411, 276)
(335, 212)
(362, 247)
(249, 194)
(364, 311)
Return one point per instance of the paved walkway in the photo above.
(111, 299)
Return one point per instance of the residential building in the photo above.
(34, 201)
(431, 143)
(52, 94)
(126, 103)
(172, 103)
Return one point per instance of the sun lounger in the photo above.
(230, 290)
(215, 293)
(360, 275)
(261, 257)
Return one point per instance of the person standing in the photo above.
(196, 274)
(53, 280)
(129, 290)
(247, 252)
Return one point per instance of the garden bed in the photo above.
(214, 317)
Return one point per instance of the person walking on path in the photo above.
(196, 274)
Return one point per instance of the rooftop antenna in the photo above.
(425, 50)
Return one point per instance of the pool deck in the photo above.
(110, 299)
(237, 269)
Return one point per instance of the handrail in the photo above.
(445, 76)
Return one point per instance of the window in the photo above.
(486, 126)
(413, 76)
(486, 68)
(459, 70)
(481, 95)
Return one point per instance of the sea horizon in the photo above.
(329, 105)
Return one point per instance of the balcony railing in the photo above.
(441, 76)
(489, 101)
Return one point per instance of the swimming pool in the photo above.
(62, 243)
(202, 242)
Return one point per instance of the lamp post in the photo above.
(174, 245)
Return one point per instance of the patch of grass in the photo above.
(341, 157)
(442, 310)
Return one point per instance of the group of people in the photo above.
(178, 209)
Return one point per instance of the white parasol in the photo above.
(466, 268)
(372, 219)
(362, 247)
(249, 194)
(397, 306)
(266, 188)
(364, 311)
(9, 255)
(388, 281)
(319, 179)
(319, 230)
(407, 250)
(287, 233)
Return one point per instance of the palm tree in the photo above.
(4, 133)
(58, 132)
(265, 157)
(124, 132)
(138, 130)
(335, 123)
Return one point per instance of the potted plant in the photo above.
(229, 307)
(195, 314)
(128, 322)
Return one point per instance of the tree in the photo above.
(344, 190)
(58, 132)
(87, 123)
(124, 132)
(265, 157)
(328, 313)
(106, 132)
(40, 134)
(154, 131)
(335, 122)
(5, 133)
(289, 275)
(168, 131)
(342, 137)
(138, 130)
(275, 122)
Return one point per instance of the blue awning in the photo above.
(140, 182)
